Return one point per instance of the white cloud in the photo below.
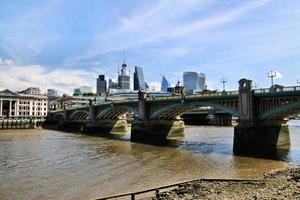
(6, 61)
(163, 20)
(278, 74)
(154, 86)
(16, 77)
(220, 19)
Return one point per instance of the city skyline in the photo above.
(64, 46)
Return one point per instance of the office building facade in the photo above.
(83, 90)
(27, 104)
(138, 79)
(193, 82)
(164, 84)
(101, 85)
(124, 78)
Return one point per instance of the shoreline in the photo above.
(278, 184)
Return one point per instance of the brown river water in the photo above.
(47, 164)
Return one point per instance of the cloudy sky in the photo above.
(64, 44)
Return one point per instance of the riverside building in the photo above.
(65, 101)
(28, 104)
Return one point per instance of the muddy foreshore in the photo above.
(282, 184)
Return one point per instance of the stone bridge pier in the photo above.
(258, 137)
(144, 128)
(251, 134)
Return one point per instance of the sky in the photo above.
(64, 44)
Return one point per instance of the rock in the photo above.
(282, 184)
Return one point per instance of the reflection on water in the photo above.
(44, 164)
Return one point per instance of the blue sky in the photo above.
(63, 44)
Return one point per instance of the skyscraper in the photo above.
(112, 84)
(138, 79)
(193, 82)
(101, 85)
(86, 89)
(164, 84)
(147, 85)
(123, 78)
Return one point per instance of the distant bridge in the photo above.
(261, 113)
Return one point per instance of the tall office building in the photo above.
(138, 79)
(112, 84)
(124, 78)
(101, 85)
(193, 82)
(83, 90)
(86, 89)
(147, 85)
(76, 91)
(164, 84)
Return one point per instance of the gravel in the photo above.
(282, 184)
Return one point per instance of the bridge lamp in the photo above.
(271, 75)
(255, 85)
(223, 81)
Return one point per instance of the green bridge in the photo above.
(261, 115)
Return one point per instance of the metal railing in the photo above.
(190, 96)
(277, 89)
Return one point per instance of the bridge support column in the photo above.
(157, 129)
(223, 119)
(259, 137)
(106, 126)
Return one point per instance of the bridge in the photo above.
(261, 114)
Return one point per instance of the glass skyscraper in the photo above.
(193, 82)
(123, 78)
(138, 79)
(164, 84)
(101, 85)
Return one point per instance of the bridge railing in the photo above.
(224, 93)
(278, 89)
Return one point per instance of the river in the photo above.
(47, 164)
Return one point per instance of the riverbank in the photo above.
(6, 124)
(281, 184)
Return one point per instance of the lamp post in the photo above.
(223, 81)
(255, 85)
(271, 75)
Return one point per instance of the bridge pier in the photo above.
(157, 130)
(222, 119)
(258, 137)
(106, 126)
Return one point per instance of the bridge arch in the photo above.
(115, 111)
(174, 110)
(281, 112)
(79, 115)
(58, 116)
